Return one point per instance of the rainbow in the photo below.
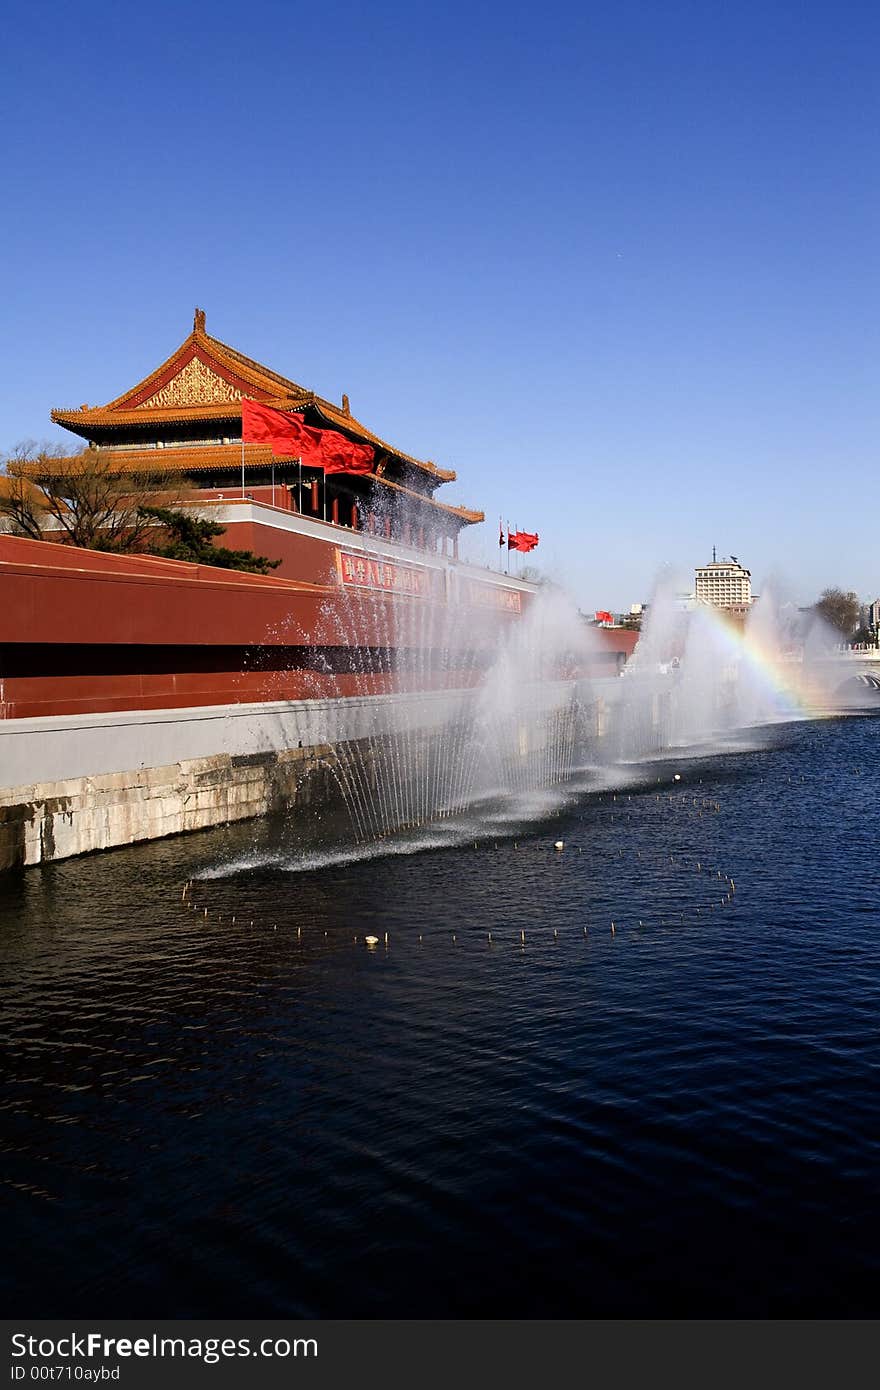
(789, 694)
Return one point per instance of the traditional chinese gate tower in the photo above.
(186, 417)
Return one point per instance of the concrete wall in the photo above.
(72, 784)
(56, 748)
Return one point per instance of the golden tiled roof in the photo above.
(104, 418)
(213, 458)
(204, 381)
(465, 514)
(196, 458)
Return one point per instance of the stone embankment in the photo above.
(54, 820)
(73, 784)
(62, 793)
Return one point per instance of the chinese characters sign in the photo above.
(418, 581)
(365, 572)
(492, 596)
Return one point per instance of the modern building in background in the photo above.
(724, 584)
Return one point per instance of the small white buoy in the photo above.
(677, 777)
(560, 844)
(371, 940)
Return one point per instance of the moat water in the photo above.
(265, 1116)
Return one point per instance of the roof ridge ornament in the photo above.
(199, 321)
(345, 405)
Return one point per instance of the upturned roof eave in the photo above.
(225, 457)
(102, 419)
(107, 420)
(271, 387)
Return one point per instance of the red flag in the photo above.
(287, 434)
(341, 455)
(282, 430)
(523, 541)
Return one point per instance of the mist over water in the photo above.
(498, 721)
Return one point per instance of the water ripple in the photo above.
(679, 1117)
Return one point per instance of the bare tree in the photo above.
(23, 505)
(533, 575)
(29, 451)
(88, 500)
(839, 609)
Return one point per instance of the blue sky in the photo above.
(616, 264)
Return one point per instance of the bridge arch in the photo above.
(864, 682)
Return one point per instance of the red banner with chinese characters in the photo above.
(493, 596)
(368, 572)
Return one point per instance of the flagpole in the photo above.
(299, 498)
(242, 461)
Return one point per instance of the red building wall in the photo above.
(86, 632)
